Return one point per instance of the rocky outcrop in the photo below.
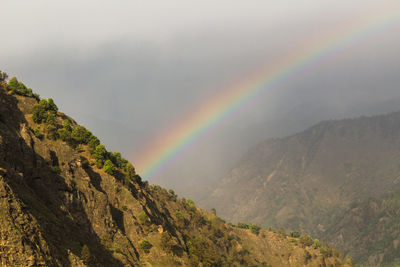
(57, 208)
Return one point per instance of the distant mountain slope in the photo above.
(307, 180)
(370, 230)
(66, 201)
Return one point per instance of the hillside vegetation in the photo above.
(312, 180)
(370, 230)
(67, 201)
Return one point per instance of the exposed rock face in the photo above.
(309, 180)
(57, 211)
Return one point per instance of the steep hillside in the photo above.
(308, 180)
(66, 201)
(370, 230)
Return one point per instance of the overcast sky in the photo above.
(129, 69)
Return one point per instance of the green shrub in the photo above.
(36, 96)
(204, 220)
(109, 167)
(51, 106)
(116, 158)
(13, 85)
(64, 134)
(85, 254)
(179, 215)
(255, 229)
(124, 208)
(51, 119)
(172, 195)
(295, 234)
(156, 187)
(326, 252)
(191, 248)
(243, 225)
(129, 171)
(67, 125)
(51, 132)
(166, 242)
(200, 252)
(37, 133)
(100, 154)
(350, 261)
(19, 88)
(306, 240)
(39, 113)
(143, 218)
(43, 110)
(81, 135)
(316, 244)
(93, 143)
(22, 89)
(145, 245)
(30, 92)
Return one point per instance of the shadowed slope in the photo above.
(308, 180)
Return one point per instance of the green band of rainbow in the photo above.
(171, 144)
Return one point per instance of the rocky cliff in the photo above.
(60, 207)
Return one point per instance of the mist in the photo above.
(130, 71)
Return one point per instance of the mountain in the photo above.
(66, 201)
(322, 181)
(370, 230)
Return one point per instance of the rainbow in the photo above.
(171, 144)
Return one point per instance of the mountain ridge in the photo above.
(66, 201)
(309, 180)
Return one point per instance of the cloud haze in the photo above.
(128, 70)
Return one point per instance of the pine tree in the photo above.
(109, 167)
(13, 85)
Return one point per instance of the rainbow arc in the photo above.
(170, 145)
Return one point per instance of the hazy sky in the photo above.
(128, 70)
